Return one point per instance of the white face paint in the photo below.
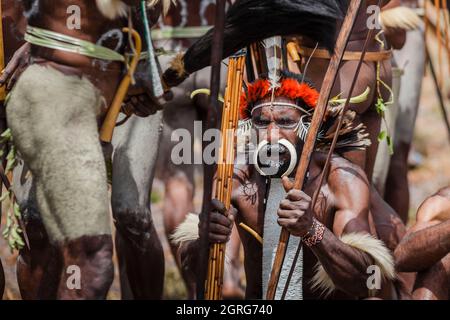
(268, 159)
(114, 35)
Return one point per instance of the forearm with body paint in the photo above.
(345, 265)
(424, 248)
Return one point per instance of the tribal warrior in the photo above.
(338, 246)
(54, 112)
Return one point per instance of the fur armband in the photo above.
(363, 242)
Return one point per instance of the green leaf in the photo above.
(5, 233)
(10, 165)
(382, 136)
(14, 233)
(6, 134)
(20, 243)
(381, 106)
(16, 210)
(8, 220)
(4, 196)
(390, 145)
(11, 243)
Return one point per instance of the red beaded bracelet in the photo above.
(315, 237)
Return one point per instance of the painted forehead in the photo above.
(290, 91)
(280, 106)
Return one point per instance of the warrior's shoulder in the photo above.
(436, 208)
(345, 173)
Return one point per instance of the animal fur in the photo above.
(177, 64)
(400, 18)
(52, 117)
(165, 4)
(187, 231)
(112, 9)
(366, 243)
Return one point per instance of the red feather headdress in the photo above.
(289, 87)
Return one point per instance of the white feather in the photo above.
(165, 4)
(187, 231)
(402, 18)
(112, 9)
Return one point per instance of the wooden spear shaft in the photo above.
(2, 54)
(325, 93)
(332, 148)
(209, 170)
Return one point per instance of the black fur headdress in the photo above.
(250, 21)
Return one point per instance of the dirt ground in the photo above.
(431, 141)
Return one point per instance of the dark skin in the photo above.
(38, 270)
(13, 28)
(390, 228)
(397, 191)
(366, 112)
(179, 181)
(426, 249)
(395, 37)
(105, 77)
(339, 208)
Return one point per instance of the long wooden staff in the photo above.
(225, 168)
(209, 170)
(325, 171)
(2, 54)
(325, 93)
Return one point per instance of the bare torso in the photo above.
(248, 198)
(53, 16)
(367, 78)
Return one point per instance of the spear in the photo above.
(325, 171)
(325, 93)
(2, 54)
(209, 170)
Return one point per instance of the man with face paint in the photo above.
(338, 248)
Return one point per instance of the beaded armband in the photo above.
(315, 236)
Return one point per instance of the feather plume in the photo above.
(166, 4)
(400, 18)
(112, 9)
(187, 231)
